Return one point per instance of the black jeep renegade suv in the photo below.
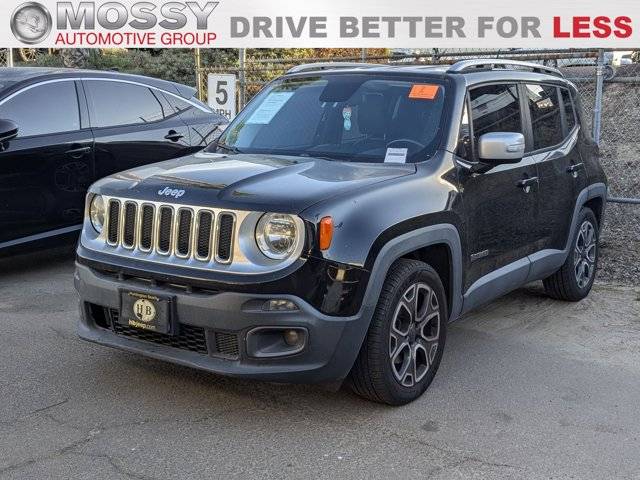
(342, 220)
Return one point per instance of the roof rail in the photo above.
(479, 64)
(310, 67)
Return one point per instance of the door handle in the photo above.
(526, 183)
(78, 152)
(574, 169)
(173, 136)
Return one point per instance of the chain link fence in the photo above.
(254, 72)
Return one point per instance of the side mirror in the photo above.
(8, 131)
(496, 148)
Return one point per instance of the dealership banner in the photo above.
(327, 23)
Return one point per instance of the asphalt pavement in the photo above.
(528, 388)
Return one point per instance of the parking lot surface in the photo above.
(528, 388)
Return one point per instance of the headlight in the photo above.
(277, 235)
(97, 213)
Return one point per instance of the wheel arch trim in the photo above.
(411, 241)
(443, 233)
(595, 190)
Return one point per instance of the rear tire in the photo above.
(403, 347)
(575, 278)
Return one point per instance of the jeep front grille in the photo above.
(113, 222)
(129, 230)
(183, 242)
(146, 228)
(205, 226)
(185, 232)
(225, 234)
(165, 230)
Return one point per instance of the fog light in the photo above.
(271, 342)
(280, 305)
(292, 337)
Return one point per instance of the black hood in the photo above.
(247, 181)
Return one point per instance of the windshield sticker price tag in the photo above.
(424, 91)
(396, 155)
(269, 108)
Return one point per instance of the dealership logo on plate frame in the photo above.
(144, 310)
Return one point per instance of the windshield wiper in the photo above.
(322, 157)
(228, 148)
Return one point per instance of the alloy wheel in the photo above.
(584, 254)
(414, 334)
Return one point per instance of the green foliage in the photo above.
(304, 53)
(280, 53)
(170, 64)
(219, 57)
(51, 61)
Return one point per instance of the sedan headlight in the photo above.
(277, 235)
(97, 213)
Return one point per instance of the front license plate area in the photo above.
(145, 311)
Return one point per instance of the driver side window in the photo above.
(494, 108)
(44, 109)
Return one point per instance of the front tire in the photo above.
(575, 278)
(403, 347)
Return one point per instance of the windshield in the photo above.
(350, 117)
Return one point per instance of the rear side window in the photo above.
(44, 109)
(546, 122)
(568, 109)
(495, 108)
(116, 103)
(180, 106)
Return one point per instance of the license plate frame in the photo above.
(146, 311)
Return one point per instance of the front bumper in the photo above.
(332, 343)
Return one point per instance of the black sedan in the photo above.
(60, 130)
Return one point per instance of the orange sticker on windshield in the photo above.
(424, 91)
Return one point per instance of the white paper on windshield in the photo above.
(396, 155)
(269, 108)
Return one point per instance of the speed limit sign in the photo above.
(222, 94)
